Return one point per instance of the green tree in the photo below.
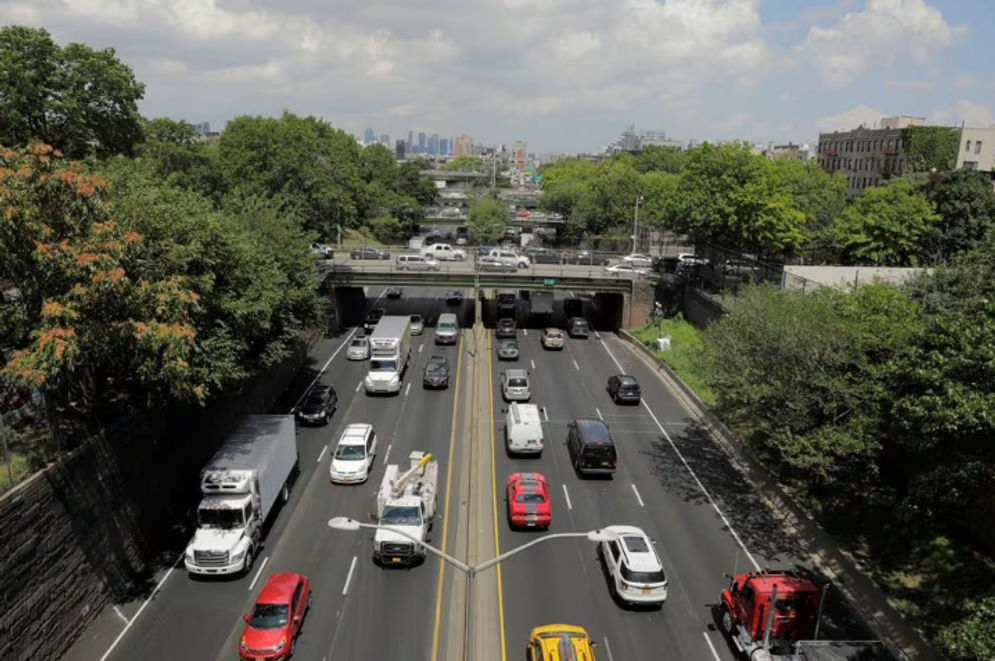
(487, 219)
(965, 202)
(886, 226)
(733, 198)
(164, 129)
(661, 203)
(820, 196)
(413, 184)
(929, 148)
(386, 229)
(972, 637)
(608, 201)
(656, 158)
(467, 164)
(378, 164)
(81, 101)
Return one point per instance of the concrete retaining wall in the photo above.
(95, 526)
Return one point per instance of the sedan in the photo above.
(638, 260)
(625, 269)
(454, 297)
(318, 407)
(552, 338)
(506, 327)
(393, 292)
(436, 373)
(586, 257)
(493, 264)
(368, 252)
(544, 256)
(577, 327)
(359, 349)
(417, 324)
(272, 628)
(507, 350)
(528, 501)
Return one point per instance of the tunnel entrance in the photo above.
(547, 308)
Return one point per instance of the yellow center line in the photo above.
(494, 501)
(445, 512)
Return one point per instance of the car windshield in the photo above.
(650, 577)
(435, 368)
(269, 616)
(416, 318)
(359, 343)
(350, 451)
(530, 498)
(446, 326)
(383, 365)
(629, 387)
(517, 383)
(226, 519)
(555, 335)
(401, 516)
(580, 324)
(509, 345)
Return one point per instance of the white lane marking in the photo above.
(407, 389)
(533, 363)
(608, 649)
(599, 413)
(421, 346)
(386, 455)
(323, 368)
(576, 366)
(348, 578)
(567, 495)
(526, 331)
(545, 415)
(710, 646)
(638, 497)
(258, 572)
(684, 461)
(144, 604)
(120, 614)
(322, 455)
(359, 385)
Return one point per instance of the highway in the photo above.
(671, 482)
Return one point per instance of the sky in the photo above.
(565, 76)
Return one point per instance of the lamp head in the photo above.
(601, 535)
(343, 523)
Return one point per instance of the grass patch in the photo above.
(684, 357)
(352, 238)
(19, 469)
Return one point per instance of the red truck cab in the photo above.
(748, 603)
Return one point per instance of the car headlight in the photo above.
(280, 645)
(238, 556)
(245, 648)
(395, 379)
(189, 554)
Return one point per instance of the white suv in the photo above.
(511, 257)
(444, 252)
(636, 571)
(354, 455)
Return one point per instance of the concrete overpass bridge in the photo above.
(627, 301)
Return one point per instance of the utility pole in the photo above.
(635, 222)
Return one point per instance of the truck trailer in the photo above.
(390, 351)
(240, 486)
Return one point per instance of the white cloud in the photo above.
(973, 115)
(887, 32)
(908, 85)
(850, 119)
(732, 122)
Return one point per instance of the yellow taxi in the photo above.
(560, 642)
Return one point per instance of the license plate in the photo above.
(395, 559)
(646, 591)
(605, 464)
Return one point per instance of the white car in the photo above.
(353, 458)
(511, 258)
(691, 258)
(515, 386)
(635, 569)
(638, 260)
(359, 349)
(625, 269)
(444, 252)
(321, 251)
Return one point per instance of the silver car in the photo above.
(359, 349)
(552, 338)
(417, 324)
(515, 386)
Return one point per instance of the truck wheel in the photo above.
(459, 258)
(727, 620)
(249, 558)
(523, 265)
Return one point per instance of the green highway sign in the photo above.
(549, 281)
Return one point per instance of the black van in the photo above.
(591, 448)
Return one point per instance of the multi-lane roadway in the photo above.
(671, 481)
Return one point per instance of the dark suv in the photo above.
(624, 388)
(318, 407)
(372, 319)
(591, 448)
(368, 252)
(578, 327)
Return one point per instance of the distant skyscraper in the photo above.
(399, 149)
(433, 144)
(369, 136)
(410, 146)
(464, 145)
(385, 139)
(443, 147)
(421, 142)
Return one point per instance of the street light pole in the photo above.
(635, 223)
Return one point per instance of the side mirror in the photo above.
(298, 618)
(594, 643)
(246, 618)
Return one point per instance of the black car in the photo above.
(394, 292)
(588, 257)
(577, 327)
(543, 256)
(318, 406)
(624, 388)
(495, 265)
(506, 328)
(368, 252)
(454, 296)
(436, 373)
(372, 319)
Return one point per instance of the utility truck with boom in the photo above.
(405, 503)
(774, 615)
(241, 484)
(390, 350)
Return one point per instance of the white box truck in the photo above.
(239, 487)
(406, 504)
(390, 350)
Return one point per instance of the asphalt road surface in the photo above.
(671, 481)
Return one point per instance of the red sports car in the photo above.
(271, 630)
(528, 501)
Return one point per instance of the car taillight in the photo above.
(542, 442)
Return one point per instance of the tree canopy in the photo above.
(487, 219)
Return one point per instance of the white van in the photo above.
(447, 329)
(523, 429)
(416, 263)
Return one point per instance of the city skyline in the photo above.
(573, 73)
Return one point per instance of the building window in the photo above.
(967, 147)
(977, 146)
(970, 165)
